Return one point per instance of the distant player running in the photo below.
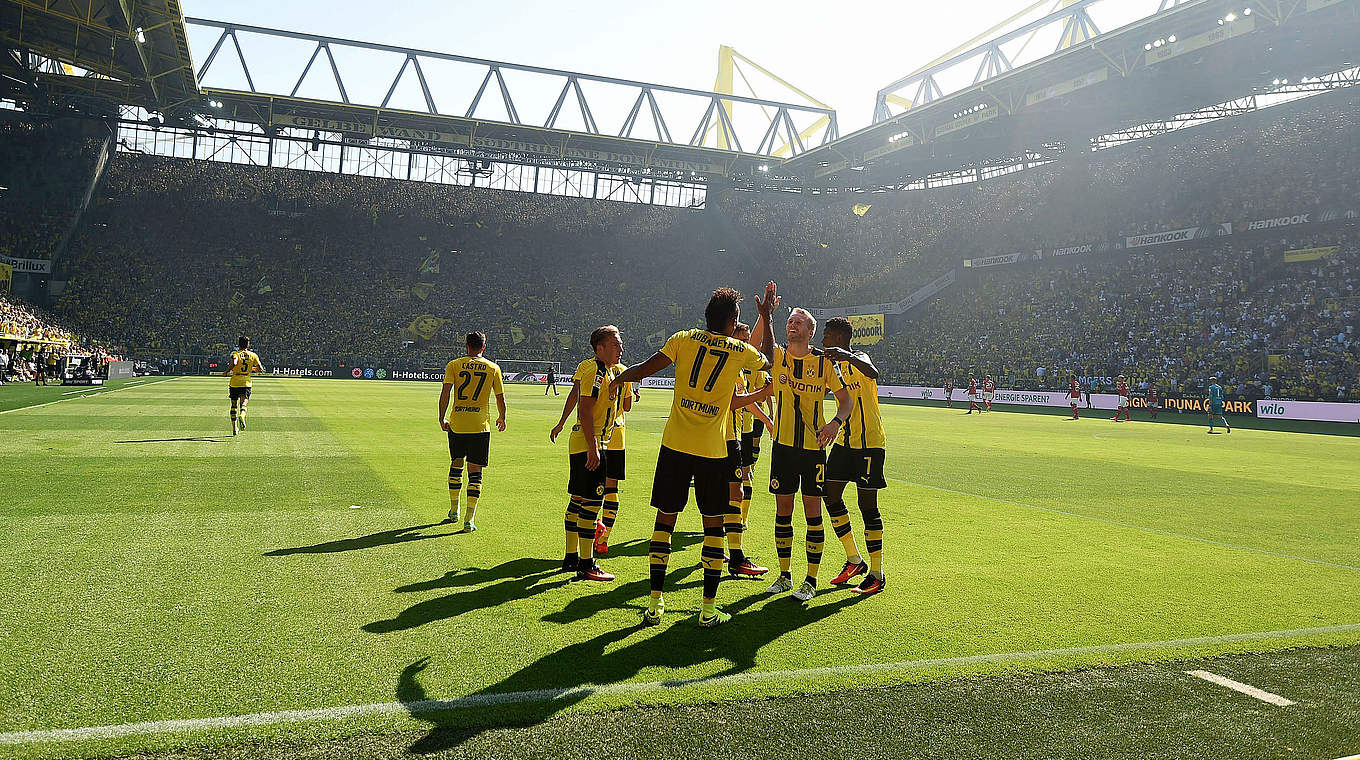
(1214, 405)
(798, 461)
(708, 366)
(473, 380)
(1121, 389)
(973, 396)
(988, 391)
(857, 457)
(598, 410)
(244, 363)
(615, 459)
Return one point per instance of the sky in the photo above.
(841, 53)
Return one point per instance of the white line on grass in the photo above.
(1158, 531)
(1349, 757)
(88, 395)
(1251, 691)
(424, 707)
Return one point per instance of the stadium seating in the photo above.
(181, 256)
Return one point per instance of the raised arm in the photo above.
(763, 332)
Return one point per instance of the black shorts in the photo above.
(585, 483)
(863, 467)
(750, 447)
(675, 471)
(238, 393)
(792, 468)
(735, 451)
(614, 464)
(474, 447)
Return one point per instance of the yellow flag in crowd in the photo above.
(422, 290)
(423, 327)
(862, 208)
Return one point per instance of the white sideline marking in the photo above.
(99, 393)
(1251, 691)
(1158, 531)
(546, 695)
(1349, 757)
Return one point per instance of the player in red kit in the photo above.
(972, 395)
(949, 393)
(1073, 394)
(988, 391)
(1121, 388)
(1154, 400)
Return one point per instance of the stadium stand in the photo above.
(177, 257)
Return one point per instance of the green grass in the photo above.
(156, 568)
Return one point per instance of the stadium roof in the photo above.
(104, 52)
(1201, 53)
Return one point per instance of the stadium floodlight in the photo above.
(1246, 11)
(763, 167)
(141, 36)
(1231, 17)
(1148, 46)
(1172, 38)
(1158, 43)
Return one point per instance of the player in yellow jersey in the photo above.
(473, 380)
(802, 379)
(856, 457)
(615, 459)
(244, 363)
(708, 365)
(743, 447)
(597, 410)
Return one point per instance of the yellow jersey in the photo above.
(801, 382)
(755, 380)
(474, 381)
(864, 429)
(707, 368)
(616, 440)
(592, 378)
(243, 364)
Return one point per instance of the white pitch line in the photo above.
(1158, 531)
(88, 395)
(423, 707)
(1249, 690)
(1349, 757)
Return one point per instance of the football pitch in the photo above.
(168, 588)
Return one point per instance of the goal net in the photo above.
(520, 371)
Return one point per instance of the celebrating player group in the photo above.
(727, 393)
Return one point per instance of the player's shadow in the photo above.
(620, 595)
(507, 582)
(640, 547)
(564, 678)
(195, 438)
(381, 538)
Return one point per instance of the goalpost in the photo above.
(520, 371)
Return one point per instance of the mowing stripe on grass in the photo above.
(544, 695)
(1158, 531)
(1249, 690)
(88, 395)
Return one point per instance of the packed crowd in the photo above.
(43, 171)
(1173, 317)
(179, 257)
(32, 341)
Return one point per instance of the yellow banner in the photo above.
(868, 329)
(1309, 254)
(423, 327)
(6, 276)
(861, 209)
